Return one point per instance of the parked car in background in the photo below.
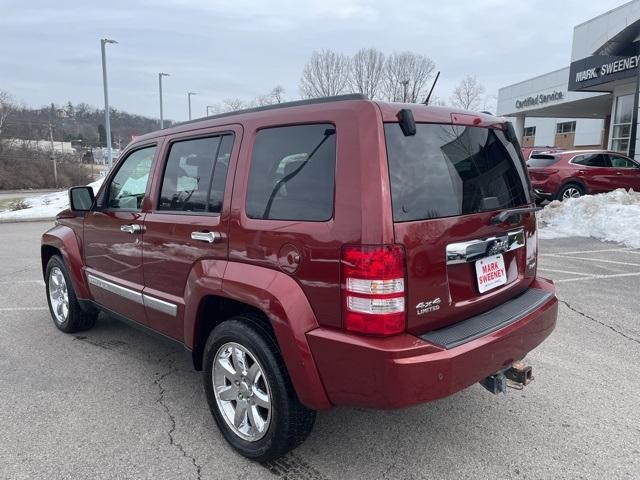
(528, 151)
(571, 174)
(320, 253)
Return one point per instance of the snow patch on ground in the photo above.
(613, 216)
(45, 206)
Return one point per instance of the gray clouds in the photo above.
(50, 51)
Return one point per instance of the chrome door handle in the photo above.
(209, 237)
(132, 228)
(619, 173)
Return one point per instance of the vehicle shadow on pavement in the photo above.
(346, 442)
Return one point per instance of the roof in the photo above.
(388, 110)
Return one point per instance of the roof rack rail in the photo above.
(275, 106)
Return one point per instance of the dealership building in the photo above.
(589, 103)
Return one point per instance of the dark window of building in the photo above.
(195, 175)
(446, 170)
(566, 127)
(591, 160)
(530, 131)
(293, 173)
(621, 130)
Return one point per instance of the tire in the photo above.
(570, 190)
(67, 315)
(286, 423)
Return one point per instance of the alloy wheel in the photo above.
(242, 391)
(58, 295)
(571, 192)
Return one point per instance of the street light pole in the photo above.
(160, 75)
(212, 107)
(107, 122)
(405, 84)
(189, 100)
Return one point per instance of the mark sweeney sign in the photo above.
(539, 99)
(601, 69)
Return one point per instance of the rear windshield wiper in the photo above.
(512, 212)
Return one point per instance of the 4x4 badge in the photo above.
(498, 246)
(428, 306)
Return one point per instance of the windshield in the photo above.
(541, 160)
(449, 170)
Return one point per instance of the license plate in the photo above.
(491, 273)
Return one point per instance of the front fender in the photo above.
(282, 300)
(65, 240)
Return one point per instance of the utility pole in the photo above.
(160, 75)
(107, 122)
(53, 157)
(405, 84)
(189, 100)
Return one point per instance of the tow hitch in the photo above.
(517, 376)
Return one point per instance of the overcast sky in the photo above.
(50, 50)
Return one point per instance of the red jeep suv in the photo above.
(314, 254)
(571, 174)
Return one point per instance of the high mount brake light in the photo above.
(373, 289)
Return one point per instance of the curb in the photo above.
(26, 220)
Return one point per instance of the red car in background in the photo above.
(571, 174)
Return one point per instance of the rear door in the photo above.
(447, 183)
(187, 228)
(626, 173)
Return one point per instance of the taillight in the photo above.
(373, 289)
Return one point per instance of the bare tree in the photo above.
(325, 74)
(232, 104)
(7, 108)
(277, 94)
(468, 94)
(366, 73)
(437, 101)
(405, 77)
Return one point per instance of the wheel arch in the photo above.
(573, 181)
(62, 240)
(273, 298)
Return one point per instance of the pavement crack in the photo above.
(600, 322)
(172, 419)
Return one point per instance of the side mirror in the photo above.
(81, 198)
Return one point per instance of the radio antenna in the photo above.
(435, 80)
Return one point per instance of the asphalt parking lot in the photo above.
(115, 403)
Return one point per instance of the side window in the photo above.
(591, 160)
(621, 162)
(292, 173)
(128, 186)
(195, 175)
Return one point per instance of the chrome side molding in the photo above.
(160, 305)
(133, 295)
(473, 250)
(124, 292)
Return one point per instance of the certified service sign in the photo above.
(539, 99)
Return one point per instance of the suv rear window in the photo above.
(541, 160)
(449, 170)
(292, 173)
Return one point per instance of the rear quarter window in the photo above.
(448, 170)
(292, 173)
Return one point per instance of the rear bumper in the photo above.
(405, 370)
(545, 189)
